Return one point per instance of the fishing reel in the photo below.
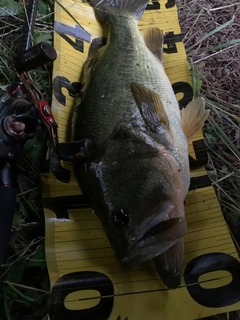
(18, 123)
(32, 58)
(23, 111)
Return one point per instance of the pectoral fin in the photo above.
(154, 38)
(193, 117)
(170, 263)
(150, 106)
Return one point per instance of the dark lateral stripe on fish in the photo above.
(200, 182)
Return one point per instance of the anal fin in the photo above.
(154, 38)
(193, 117)
(150, 106)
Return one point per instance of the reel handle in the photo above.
(35, 57)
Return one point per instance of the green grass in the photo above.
(224, 155)
(25, 289)
(221, 131)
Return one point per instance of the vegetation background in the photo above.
(211, 34)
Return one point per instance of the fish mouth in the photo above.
(169, 265)
(154, 242)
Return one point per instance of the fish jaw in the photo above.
(169, 265)
(155, 242)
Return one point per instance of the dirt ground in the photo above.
(221, 84)
(218, 57)
(198, 18)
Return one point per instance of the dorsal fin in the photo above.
(150, 106)
(154, 38)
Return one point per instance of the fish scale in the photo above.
(108, 101)
(138, 176)
(110, 82)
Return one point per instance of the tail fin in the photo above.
(131, 7)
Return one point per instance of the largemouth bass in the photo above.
(138, 176)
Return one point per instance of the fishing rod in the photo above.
(23, 111)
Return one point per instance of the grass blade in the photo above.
(225, 45)
(70, 15)
(222, 26)
(222, 135)
(20, 293)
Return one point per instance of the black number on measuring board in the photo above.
(170, 39)
(155, 5)
(170, 4)
(215, 297)
(212, 298)
(59, 83)
(90, 280)
(81, 281)
(77, 32)
(186, 89)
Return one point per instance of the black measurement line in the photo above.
(142, 292)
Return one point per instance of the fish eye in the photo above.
(120, 218)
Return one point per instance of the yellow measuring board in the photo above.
(86, 279)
